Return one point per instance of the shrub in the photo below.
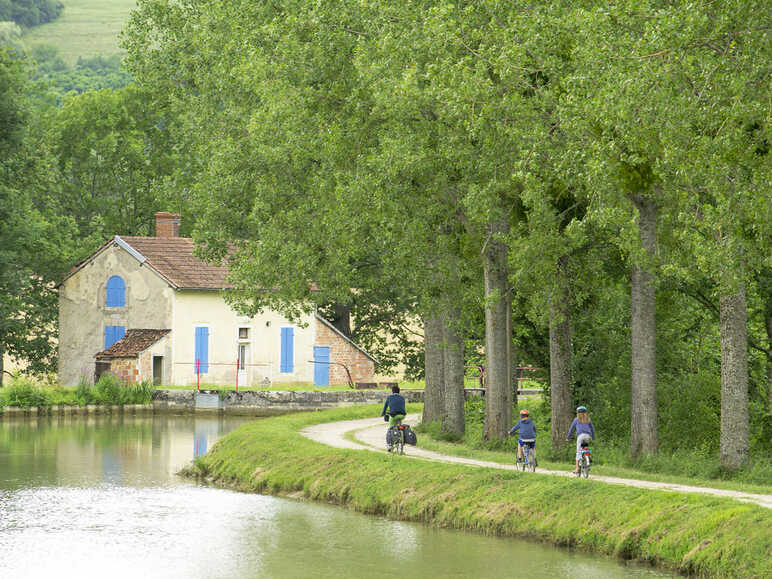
(24, 393)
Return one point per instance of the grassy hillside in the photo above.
(85, 28)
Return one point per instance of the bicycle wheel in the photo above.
(399, 446)
(521, 463)
(585, 467)
(532, 459)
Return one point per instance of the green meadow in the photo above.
(86, 28)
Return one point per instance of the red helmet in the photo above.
(523, 412)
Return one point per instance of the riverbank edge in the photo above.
(686, 533)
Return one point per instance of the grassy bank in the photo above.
(688, 533)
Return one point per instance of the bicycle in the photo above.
(528, 460)
(585, 461)
(395, 438)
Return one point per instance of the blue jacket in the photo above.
(527, 429)
(395, 405)
(581, 429)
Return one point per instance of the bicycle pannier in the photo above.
(410, 437)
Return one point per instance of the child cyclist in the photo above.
(585, 432)
(527, 432)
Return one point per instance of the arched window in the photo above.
(116, 292)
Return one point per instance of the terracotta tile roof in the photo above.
(134, 342)
(173, 258)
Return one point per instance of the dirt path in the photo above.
(370, 434)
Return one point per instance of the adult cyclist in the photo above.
(394, 408)
(585, 432)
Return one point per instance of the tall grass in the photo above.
(25, 393)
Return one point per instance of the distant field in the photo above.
(85, 28)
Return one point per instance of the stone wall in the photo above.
(125, 369)
(266, 402)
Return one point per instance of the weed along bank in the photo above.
(147, 309)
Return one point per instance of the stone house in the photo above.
(145, 308)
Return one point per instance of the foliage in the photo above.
(24, 393)
(30, 13)
(109, 390)
(52, 77)
(34, 240)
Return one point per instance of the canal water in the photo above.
(99, 497)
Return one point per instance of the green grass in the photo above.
(610, 457)
(86, 28)
(689, 533)
(600, 466)
(26, 393)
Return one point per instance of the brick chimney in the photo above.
(167, 224)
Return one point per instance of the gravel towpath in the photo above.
(370, 434)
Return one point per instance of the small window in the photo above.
(116, 292)
(243, 333)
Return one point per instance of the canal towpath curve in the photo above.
(369, 434)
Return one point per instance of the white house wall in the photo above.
(199, 308)
(83, 314)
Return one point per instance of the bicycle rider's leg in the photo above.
(582, 438)
(520, 449)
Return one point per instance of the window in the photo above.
(242, 357)
(201, 361)
(243, 333)
(113, 334)
(287, 350)
(116, 292)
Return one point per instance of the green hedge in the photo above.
(689, 533)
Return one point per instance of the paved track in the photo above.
(370, 434)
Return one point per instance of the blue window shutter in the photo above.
(202, 349)
(116, 292)
(113, 334)
(287, 350)
(322, 366)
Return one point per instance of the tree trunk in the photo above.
(453, 370)
(643, 419)
(498, 366)
(560, 360)
(2, 365)
(734, 381)
(434, 362)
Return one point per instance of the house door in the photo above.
(321, 365)
(158, 370)
(243, 357)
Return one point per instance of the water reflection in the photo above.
(94, 496)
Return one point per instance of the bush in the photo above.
(24, 393)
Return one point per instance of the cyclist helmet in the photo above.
(581, 409)
(523, 412)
